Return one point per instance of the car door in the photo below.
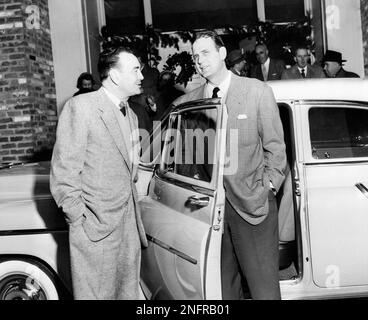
(183, 211)
(335, 136)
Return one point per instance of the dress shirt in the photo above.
(265, 68)
(223, 86)
(305, 71)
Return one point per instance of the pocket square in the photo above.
(242, 116)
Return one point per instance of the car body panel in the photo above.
(338, 224)
(31, 225)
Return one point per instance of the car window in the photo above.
(152, 143)
(190, 144)
(338, 132)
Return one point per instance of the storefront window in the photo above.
(175, 15)
(284, 10)
(124, 16)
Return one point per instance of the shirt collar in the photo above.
(267, 63)
(223, 86)
(115, 100)
(305, 69)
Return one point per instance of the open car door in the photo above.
(183, 211)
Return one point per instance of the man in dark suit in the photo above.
(303, 69)
(333, 63)
(267, 69)
(93, 174)
(236, 63)
(250, 240)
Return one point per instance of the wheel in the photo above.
(21, 280)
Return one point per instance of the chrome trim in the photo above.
(146, 167)
(185, 185)
(171, 249)
(7, 233)
(332, 103)
(342, 162)
(362, 188)
(202, 103)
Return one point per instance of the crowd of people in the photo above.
(268, 68)
(159, 89)
(158, 92)
(96, 155)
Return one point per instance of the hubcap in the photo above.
(20, 287)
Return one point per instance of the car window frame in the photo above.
(306, 105)
(189, 182)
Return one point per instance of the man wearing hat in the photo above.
(333, 62)
(236, 63)
(267, 69)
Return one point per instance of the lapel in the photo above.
(271, 69)
(107, 113)
(296, 72)
(310, 72)
(135, 136)
(235, 100)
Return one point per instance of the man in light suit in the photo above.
(93, 170)
(250, 239)
(267, 69)
(303, 69)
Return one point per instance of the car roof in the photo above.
(352, 89)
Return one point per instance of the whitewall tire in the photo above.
(22, 280)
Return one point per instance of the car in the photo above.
(34, 248)
(323, 204)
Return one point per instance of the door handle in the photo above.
(199, 201)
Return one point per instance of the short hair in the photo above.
(108, 59)
(84, 76)
(210, 34)
(261, 44)
(300, 47)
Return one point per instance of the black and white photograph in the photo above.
(205, 151)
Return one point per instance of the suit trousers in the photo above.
(108, 269)
(250, 256)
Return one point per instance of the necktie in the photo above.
(264, 72)
(303, 73)
(122, 106)
(214, 92)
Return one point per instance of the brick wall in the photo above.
(27, 86)
(364, 11)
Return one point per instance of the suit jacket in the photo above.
(346, 74)
(312, 72)
(242, 73)
(260, 156)
(275, 70)
(92, 173)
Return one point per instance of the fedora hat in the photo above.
(334, 56)
(234, 57)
